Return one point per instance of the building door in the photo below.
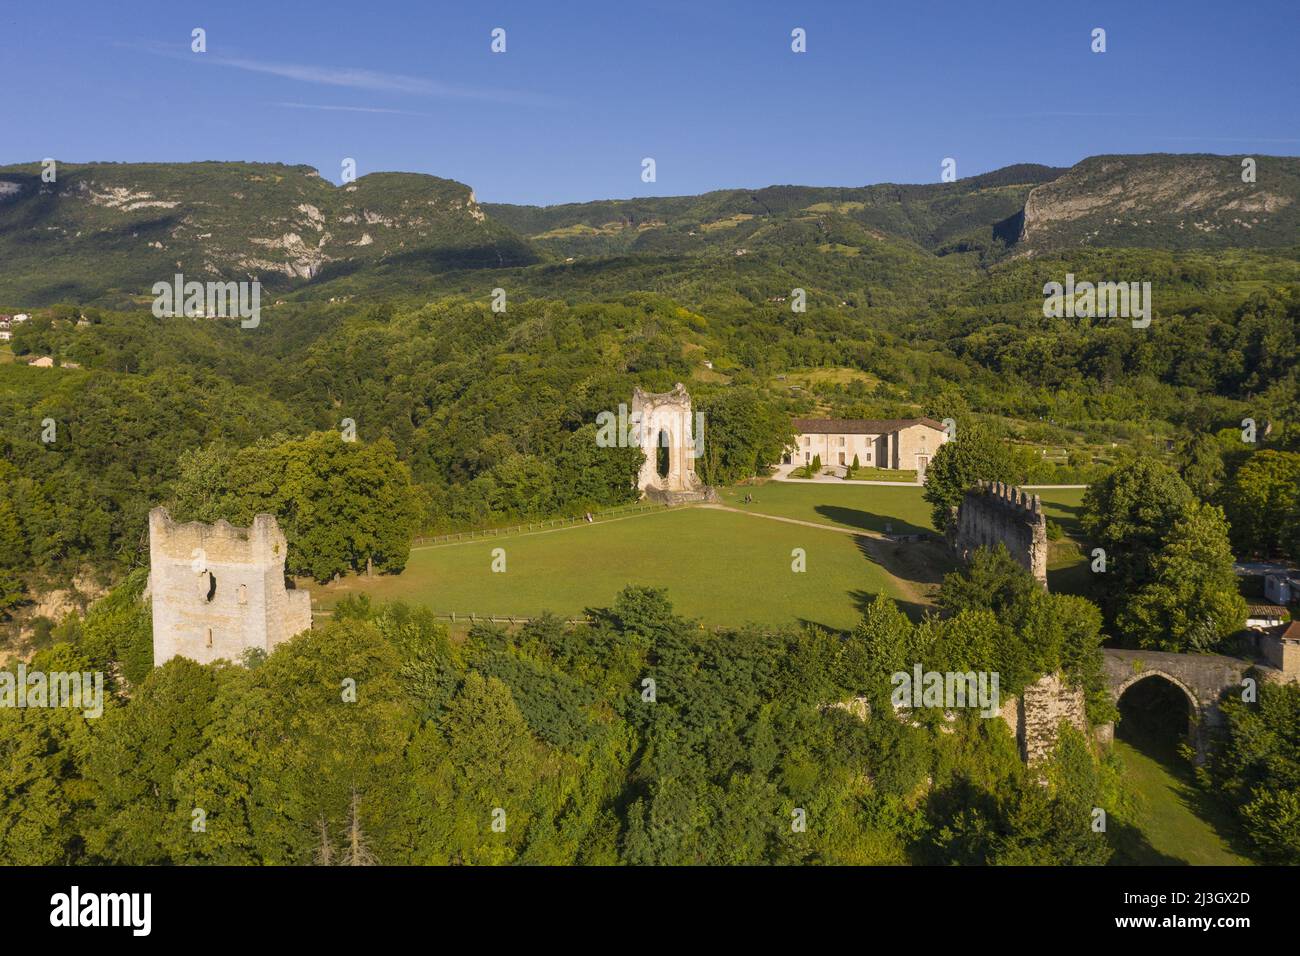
(921, 462)
(841, 458)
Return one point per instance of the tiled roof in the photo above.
(859, 426)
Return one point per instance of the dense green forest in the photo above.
(629, 740)
(492, 414)
(382, 396)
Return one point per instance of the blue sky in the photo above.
(584, 91)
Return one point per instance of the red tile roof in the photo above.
(859, 426)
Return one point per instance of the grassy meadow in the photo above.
(721, 567)
(724, 567)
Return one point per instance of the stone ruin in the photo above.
(996, 513)
(1035, 716)
(664, 421)
(218, 590)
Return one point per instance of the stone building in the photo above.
(1282, 587)
(996, 513)
(899, 443)
(668, 438)
(1281, 648)
(218, 590)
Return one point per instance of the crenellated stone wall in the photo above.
(218, 590)
(997, 513)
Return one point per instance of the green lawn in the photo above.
(722, 567)
(875, 507)
(1063, 505)
(1175, 822)
(871, 507)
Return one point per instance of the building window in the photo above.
(807, 440)
(841, 441)
(243, 594)
(207, 636)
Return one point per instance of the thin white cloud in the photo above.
(348, 109)
(354, 78)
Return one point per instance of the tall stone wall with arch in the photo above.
(664, 420)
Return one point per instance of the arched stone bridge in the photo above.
(1203, 678)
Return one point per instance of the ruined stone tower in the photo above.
(218, 590)
(666, 423)
(996, 513)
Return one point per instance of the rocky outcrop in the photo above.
(1167, 201)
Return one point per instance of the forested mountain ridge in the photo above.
(105, 232)
(1167, 201)
(101, 228)
(929, 215)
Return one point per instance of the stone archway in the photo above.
(666, 435)
(1202, 679)
(1157, 712)
(664, 455)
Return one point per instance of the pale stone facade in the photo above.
(905, 444)
(218, 590)
(664, 421)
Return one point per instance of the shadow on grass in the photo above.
(1162, 748)
(1132, 848)
(1067, 516)
(914, 611)
(922, 563)
(869, 521)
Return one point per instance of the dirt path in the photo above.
(872, 542)
(525, 534)
(810, 524)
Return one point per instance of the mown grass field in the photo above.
(724, 568)
(720, 566)
(1174, 822)
(879, 508)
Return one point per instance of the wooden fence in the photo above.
(473, 618)
(538, 525)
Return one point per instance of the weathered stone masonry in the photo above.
(218, 590)
(1035, 716)
(996, 513)
(665, 421)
